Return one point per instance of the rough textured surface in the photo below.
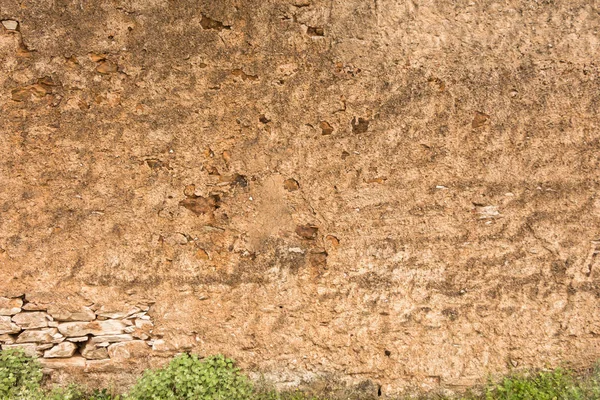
(399, 191)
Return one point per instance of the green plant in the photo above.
(102, 394)
(558, 384)
(189, 377)
(20, 375)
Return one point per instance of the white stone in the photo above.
(139, 334)
(97, 328)
(7, 326)
(111, 338)
(77, 339)
(144, 324)
(127, 350)
(10, 24)
(486, 212)
(76, 314)
(176, 239)
(58, 338)
(174, 344)
(32, 320)
(92, 352)
(143, 307)
(37, 336)
(108, 312)
(10, 306)
(62, 350)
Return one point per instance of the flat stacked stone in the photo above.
(61, 350)
(7, 326)
(32, 319)
(10, 306)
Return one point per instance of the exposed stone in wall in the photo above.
(74, 336)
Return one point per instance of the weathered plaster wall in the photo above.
(399, 191)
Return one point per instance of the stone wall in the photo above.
(90, 337)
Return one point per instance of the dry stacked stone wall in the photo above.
(89, 337)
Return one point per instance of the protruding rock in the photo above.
(81, 313)
(479, 119)
(21, 94)
(29, 349)
(138, 315)
(111, 338)
(106, 67)
(97, 328)
(487, 212)
(143, 328)
(307, 231)
(122, 351)
(144, 324)
(360, 125)
(201, 254)
(32, 320)
(63, 363)
(201, 205)
(140, 334)
(57, 337)
(10, 24)
(92, 352)
(10, 306)
(37, 336)
(315, 31)
(291, 185)
(31, 306)
(326, 128)
(173, 344)
(117, 312)
(143, 307)
(78, 339)
(209, 23)
(189, 190)
(62, 350)
(176, 239)
(334, 241)
(7, 326)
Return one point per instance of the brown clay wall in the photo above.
(398, 191)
